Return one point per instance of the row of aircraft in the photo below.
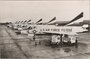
(59, 33)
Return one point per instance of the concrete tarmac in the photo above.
(22, 47)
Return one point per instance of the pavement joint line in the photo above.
(13, 43)
(17, 44)
(84, 42)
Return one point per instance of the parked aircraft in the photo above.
(59, 33)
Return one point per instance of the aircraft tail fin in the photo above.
(76, 18)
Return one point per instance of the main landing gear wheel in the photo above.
(76, 43)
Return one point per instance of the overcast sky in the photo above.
(34, 10)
